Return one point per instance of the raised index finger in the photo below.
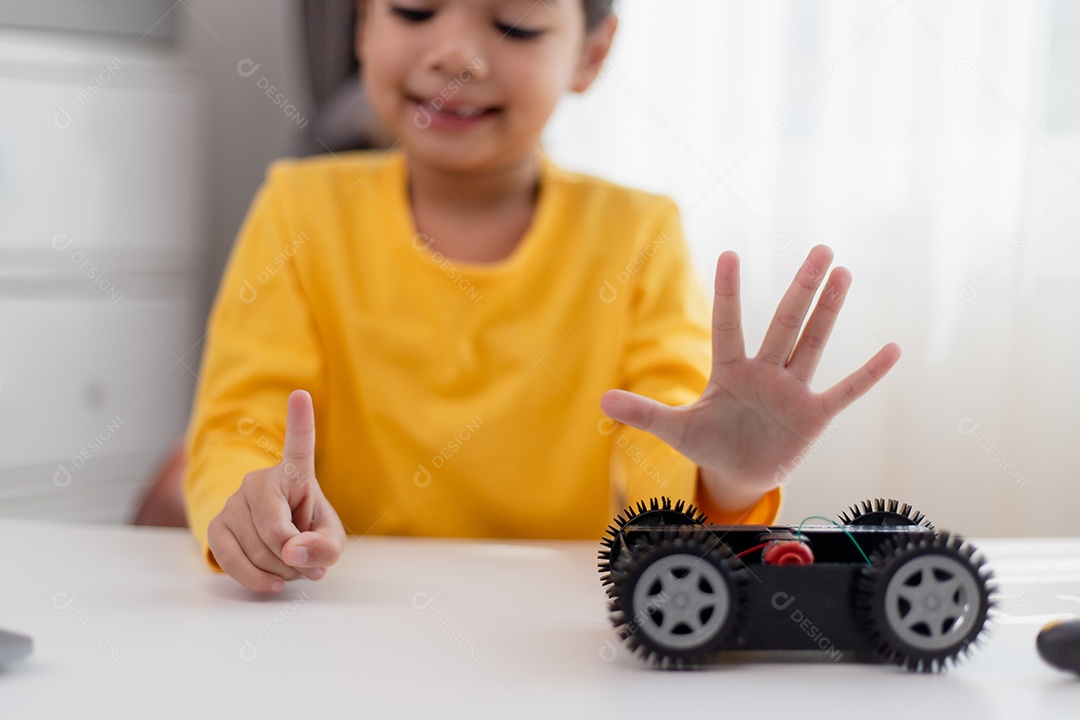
(298, 456)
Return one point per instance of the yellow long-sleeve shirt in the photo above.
(451, 398)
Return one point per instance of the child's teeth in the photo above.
(460, 112)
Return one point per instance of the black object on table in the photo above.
(14, 646)
(1059, 644)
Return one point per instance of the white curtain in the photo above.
(935, 146)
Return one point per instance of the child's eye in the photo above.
(518, 33)
(411, 15)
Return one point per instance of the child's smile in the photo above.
(439, 114)
(468, 85)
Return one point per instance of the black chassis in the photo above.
(838, 605)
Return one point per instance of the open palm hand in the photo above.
(757, 414)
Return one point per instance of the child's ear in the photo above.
(597, 46)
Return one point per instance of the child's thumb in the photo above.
(643, 413)
(312, 549)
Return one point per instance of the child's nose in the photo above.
(460, 49)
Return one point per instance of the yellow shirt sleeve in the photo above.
(667, 358)
(249, 365)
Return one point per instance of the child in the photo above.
(456, 308)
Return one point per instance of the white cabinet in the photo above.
(101, 233)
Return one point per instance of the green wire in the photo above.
(798, 532)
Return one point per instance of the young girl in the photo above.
(489, 346)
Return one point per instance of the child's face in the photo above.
(468, 85)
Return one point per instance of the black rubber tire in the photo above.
(879, 511)
(688, 577)
(924, 600)
(656, 512)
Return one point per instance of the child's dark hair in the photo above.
(595, 12)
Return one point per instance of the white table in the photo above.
(129, 623)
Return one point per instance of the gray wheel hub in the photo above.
(681, 601)
(932, 601)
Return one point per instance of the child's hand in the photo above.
(757, 414)
(279, 525)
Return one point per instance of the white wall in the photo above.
(126, 166)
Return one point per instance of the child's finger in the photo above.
(271, 516)
(258, 552)
(325, 521)
(855, 385)
(808, 350)
(322, 542)
(727, 335)
(298, 454)
(784, 328)
(644, 414)
(231, 557)
(312, 550)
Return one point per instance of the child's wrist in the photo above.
(727, 494)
